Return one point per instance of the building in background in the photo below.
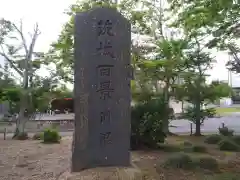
(4, 109)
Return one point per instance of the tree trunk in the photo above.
(182, 106)
(198, 119)
(23, 117)
(166, 105)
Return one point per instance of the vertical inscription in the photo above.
(105, 138)
(105, 89)
(105, 48)
(104, 72)
(105, 27)
(82, 78)
(105, 116)
(83, 110)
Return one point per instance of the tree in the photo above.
(195, 90)
(222, 89)
(23, 59)
(206, 24)
(217, 19)
(165, 69)
(12, 96)
(147, 26)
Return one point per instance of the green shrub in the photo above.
(51, 136)
(199, 148)
(208, 163)
(187, 143)
(169, 148)
(38, 136)
(213, 139)
(187, 146)
(225, 131)
(236, 139)
(210, 112)
(228, 145)
(190, 113)
(179, 160)
(225, 176)
(146, 121)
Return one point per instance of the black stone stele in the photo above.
(102, 90)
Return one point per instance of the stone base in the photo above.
(105, 173)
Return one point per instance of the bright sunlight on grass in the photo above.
(225, 110)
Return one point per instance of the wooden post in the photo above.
(4, 133)
(191, 129)
(223, 125)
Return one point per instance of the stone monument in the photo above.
(102, 89)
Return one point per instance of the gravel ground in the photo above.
(31, 160)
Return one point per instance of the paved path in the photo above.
(210, 125)
(10, 135)
(183, 126)
(55, 117)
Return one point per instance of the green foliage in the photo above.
(207, 162)
(236, 139)
(190, 113)
(146, 124)
(12, 96)
(228, 145)
(225, 176)
(51, 136)
(222, 89)
(184, 161)
(187, 143)
(216, 21)
(179, 160)
(213, 139)
(61, 52)
(225, 131)
(199, 148)
(170, 148)
(194, 88)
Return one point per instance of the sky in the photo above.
(50, 17)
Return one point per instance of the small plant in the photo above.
(187, 143)
(199, 149)
(179, 160)
(169, 148)
(208, 163)
(38, 136)
(51, 136)
(236, 139)
(225, 131)
(228, 145)
(213, 139)
(225, 176)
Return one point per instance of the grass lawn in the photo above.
(225, 110)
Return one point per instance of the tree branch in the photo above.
(34, 38)
(10, 62)
(20, 31)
